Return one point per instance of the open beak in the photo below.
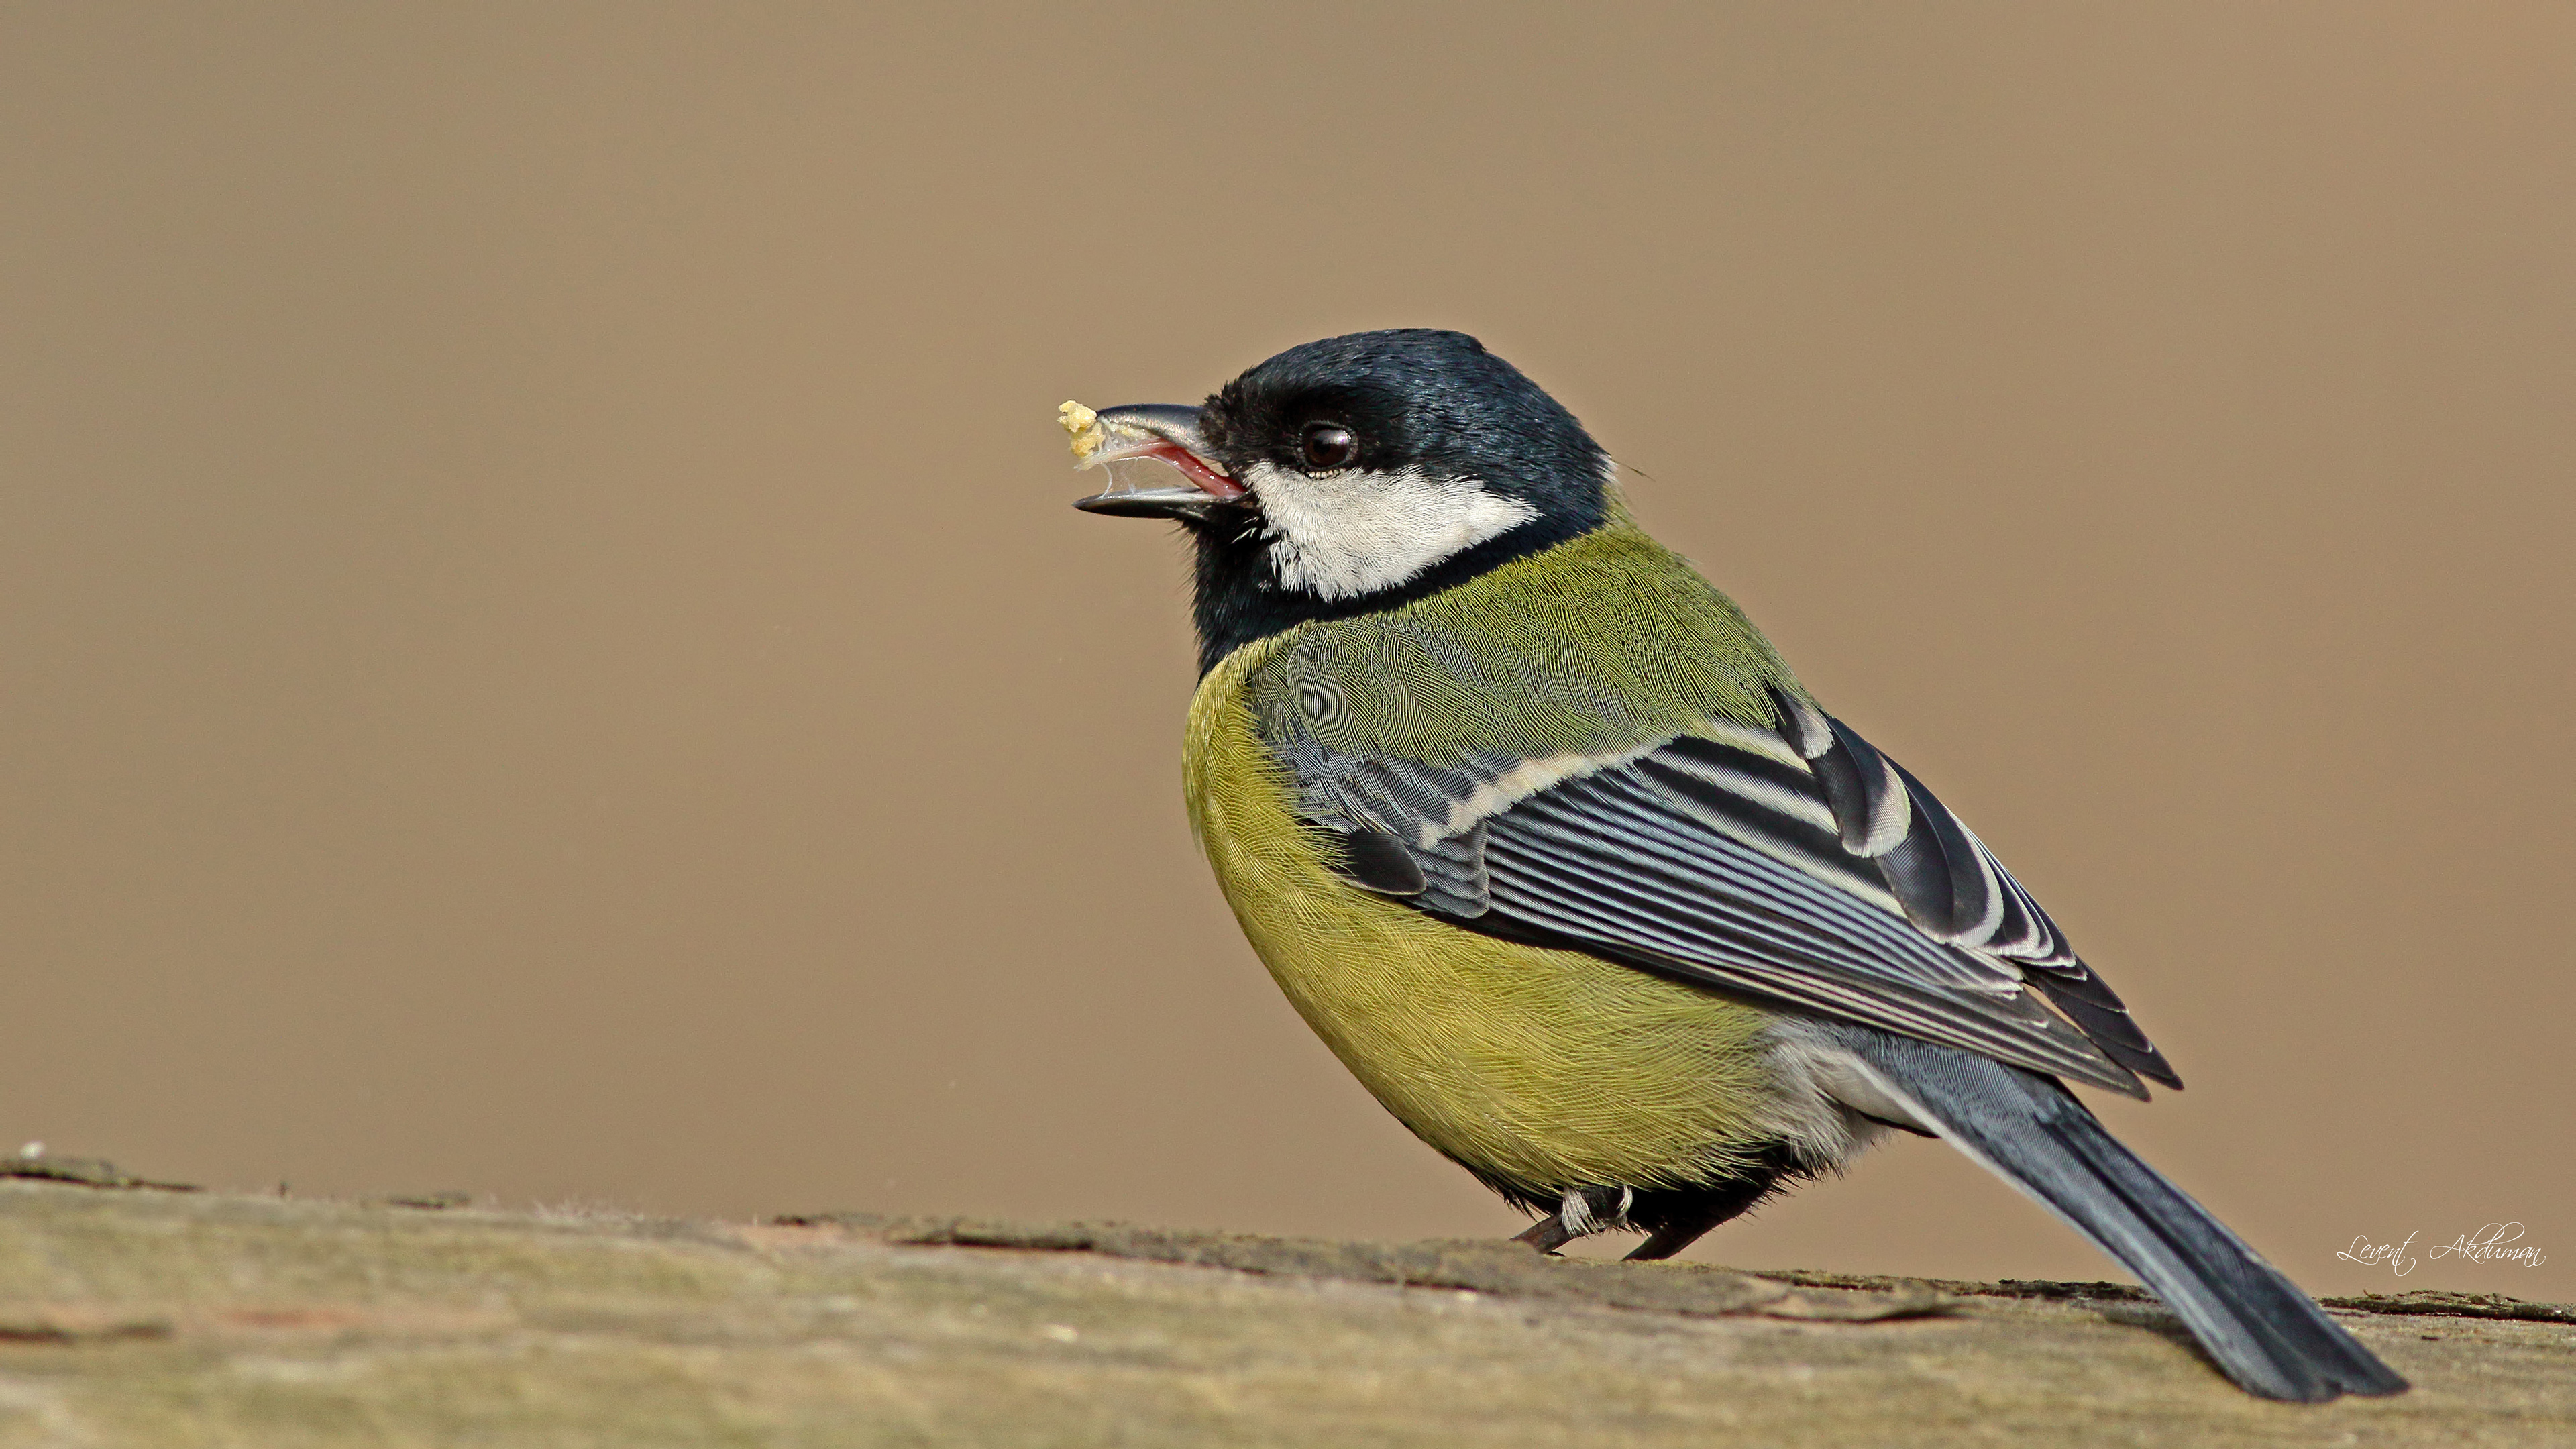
(1166, 432)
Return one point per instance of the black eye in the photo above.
(1330, 446)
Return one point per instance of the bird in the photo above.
(1545, 840)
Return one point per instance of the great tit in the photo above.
(1547, 843)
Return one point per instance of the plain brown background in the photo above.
(543, 650)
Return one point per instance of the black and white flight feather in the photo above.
(1796, 865)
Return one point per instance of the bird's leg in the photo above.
(1671, 1238)
(1682, 1217)
(1580, 1213)
(1547, 1234)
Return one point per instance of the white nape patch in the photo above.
(1356, 532)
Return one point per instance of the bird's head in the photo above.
(1354, 473)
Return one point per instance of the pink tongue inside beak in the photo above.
(1210, 481)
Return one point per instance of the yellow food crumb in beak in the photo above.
(1083, 425)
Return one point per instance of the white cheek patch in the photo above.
(1358, 532)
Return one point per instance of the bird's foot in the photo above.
(1580, 1213)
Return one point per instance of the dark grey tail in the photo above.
(2268, 1336)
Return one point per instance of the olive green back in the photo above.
(1604, 642)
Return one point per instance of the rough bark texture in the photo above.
(130, 1316)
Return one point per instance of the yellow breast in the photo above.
(1550, 1069)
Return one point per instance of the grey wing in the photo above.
(1796, 865)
